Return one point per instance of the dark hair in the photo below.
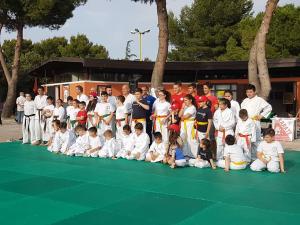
(108, 86)
(208, 84)
(80, 88)
(42, 88)
(250, 87)
(80, 127)
(69, 98)
(56, 122)
(167, 94)
(193, 85)
(206, 143)
(61, 101)
(269, 132)
(82, 103)
(77, 101)
(91, 105)
(230, 140)
(121, 98)
(225, 102)
(108, 132)
(139, 126)
(63, 125)
(178, 83)
(243, 113)
(93, 130)
(173, 138)
(50, 98)
(157, 135)
(104, 93)
(127, 127)
(138, 90)
(190, 97)
(228, 91)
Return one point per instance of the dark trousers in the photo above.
(149, 129)
(0, 118)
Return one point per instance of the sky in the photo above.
(109, 22)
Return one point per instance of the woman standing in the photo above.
(161, 114)
(187, 130)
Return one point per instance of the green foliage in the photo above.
(232, 42)
(203, 29)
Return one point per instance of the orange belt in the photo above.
(141, 120)
(158, 118)
(246, 136)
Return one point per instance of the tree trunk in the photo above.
(252, 66)
(12, 79)
(263, 72)
(163, 38)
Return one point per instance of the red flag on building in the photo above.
(35, 85)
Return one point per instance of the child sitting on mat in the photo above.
(109, 148)
(53, 142)
(157, 149)
(269, 154)
(94, 142)
(204, 156)
(141, 142)
(66, 138)
(174, 156)
(234, 157)
(126, 143)
(82, 142)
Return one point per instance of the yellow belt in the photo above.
(202, 123)
(139, 120)
(239, 163)
(185, 127)
(254, 118)
(158, 118)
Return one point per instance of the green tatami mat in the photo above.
(38, 187)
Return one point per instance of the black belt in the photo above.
(55, 117)
(25, 123)
(39, 112)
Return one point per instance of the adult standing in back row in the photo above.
(80, 96)
(178, 95)
(129, 99)
(20, 107)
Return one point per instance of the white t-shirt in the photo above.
(95, 142)
(83, 98)
(60, 113)
(121, 111)
(235, 153)
(190, 110)
(20, 103)
(104, 108)
(128, 102)
(161, 108)
(271, 150)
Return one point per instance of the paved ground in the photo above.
(10, 130)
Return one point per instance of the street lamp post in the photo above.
(137, 31)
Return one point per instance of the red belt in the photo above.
(246, 136)
(119, 121)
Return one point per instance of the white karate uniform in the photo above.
(188, 133)
(72, 117)
(120, 120)
(271, 152)
(40, 102)
(91, 120)
(126, 145)
(59, 113)
(128, 102)
(141, 145)
(83, 98)
(162, 110)
(47, 122)
(235, 108)
(55, 145)
(225, 119)
(80, 146)
(95, 142)
(157, 149)
(67, 139)
(109, 149)
(236, 155)
(245, 132)
(104, 109)
(256, 106)
(28, 122)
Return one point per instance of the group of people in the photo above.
(186, 129)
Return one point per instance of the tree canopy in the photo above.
(220, 37)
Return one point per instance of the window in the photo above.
(219, 89)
